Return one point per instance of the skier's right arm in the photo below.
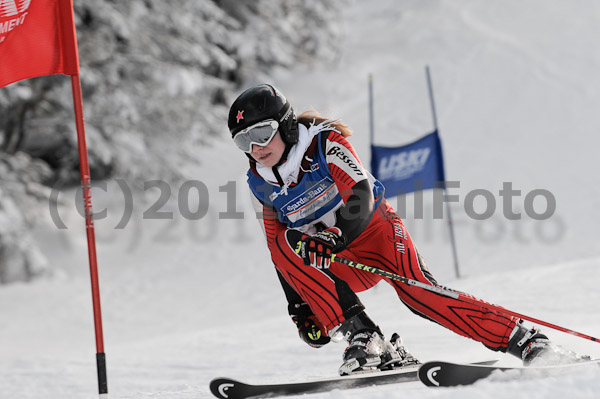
(310, 329)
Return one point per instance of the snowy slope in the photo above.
(187, 301)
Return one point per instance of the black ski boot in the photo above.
(366, 344)
(532, 347)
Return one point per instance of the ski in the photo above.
(227, 388)
(446, 374)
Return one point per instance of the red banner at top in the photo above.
(37, 37)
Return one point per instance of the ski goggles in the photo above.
(260, 133)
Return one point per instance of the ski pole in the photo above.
(456, 295)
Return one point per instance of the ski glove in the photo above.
(316, 250)
(309, 327)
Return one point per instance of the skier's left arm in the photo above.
(352, 182)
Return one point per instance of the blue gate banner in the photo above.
(412, 167)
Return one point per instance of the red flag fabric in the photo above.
(37, 37)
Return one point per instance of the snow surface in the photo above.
(187, 301)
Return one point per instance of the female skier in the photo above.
(317, 199)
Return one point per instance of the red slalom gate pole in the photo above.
(84, 168)
(457, 295)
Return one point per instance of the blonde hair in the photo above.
(312, 117)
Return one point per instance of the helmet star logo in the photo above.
(240, 116)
